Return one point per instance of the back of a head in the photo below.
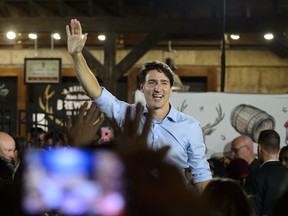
(55, 135)
(283, 156)
(270, 141)
(238, 169)
(35, 130)
(224, 197)
(217, 167)
(284, 151)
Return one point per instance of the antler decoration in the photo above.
(183, 106)
(45, 106)
(209, 128)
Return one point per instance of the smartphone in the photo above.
(106, 134)
(72, 181)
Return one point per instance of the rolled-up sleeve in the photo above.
(111, 106)
(197, 159)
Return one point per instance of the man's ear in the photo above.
(258, 146)
(141, 88)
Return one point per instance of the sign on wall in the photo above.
(42, 70)
(55, 102)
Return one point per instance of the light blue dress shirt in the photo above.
(181, 132)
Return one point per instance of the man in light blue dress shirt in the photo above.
(169, 127)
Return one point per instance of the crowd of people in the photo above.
(154, 185)
(166, 171)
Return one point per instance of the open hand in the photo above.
(84, 131)
(75, 39)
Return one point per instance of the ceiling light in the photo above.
(101, 37)
(56, 36)
(32, 36)
(235, 36)
(11, 35)
(269, 36)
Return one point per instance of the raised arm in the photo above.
(75, 42)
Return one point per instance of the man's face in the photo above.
(157, 90)
(7, 148)
(41, 139)
(238, 149)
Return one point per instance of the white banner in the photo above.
(224, 116)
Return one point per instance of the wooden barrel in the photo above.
(249, 120)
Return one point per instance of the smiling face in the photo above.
(157, 90)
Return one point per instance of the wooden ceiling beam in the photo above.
(36, 10)
(4, 10)
(96, 67)
(147, 25)
(136, 53)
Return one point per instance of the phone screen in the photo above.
(106, 135)
(71, 181)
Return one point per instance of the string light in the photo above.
(56, 36)
(101, 37)
(269, 36)
(235, 36)
(11, 35)
(32, 36)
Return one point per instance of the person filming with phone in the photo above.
(182, 133)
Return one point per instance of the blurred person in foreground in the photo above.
(225, 197)
(154, 187)
(180, 132)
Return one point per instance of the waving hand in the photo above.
(75, 38)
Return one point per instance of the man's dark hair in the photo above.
(55, 135)
(270, 141)
(34, 131)
(155, 65)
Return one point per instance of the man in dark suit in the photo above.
(266, 184)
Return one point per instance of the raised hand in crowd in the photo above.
(128, 137)
(83, 132)
(155, 187)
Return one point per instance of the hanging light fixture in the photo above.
(33, 36)
(169, 56)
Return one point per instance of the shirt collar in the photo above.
(267, 162)
(171, 116)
